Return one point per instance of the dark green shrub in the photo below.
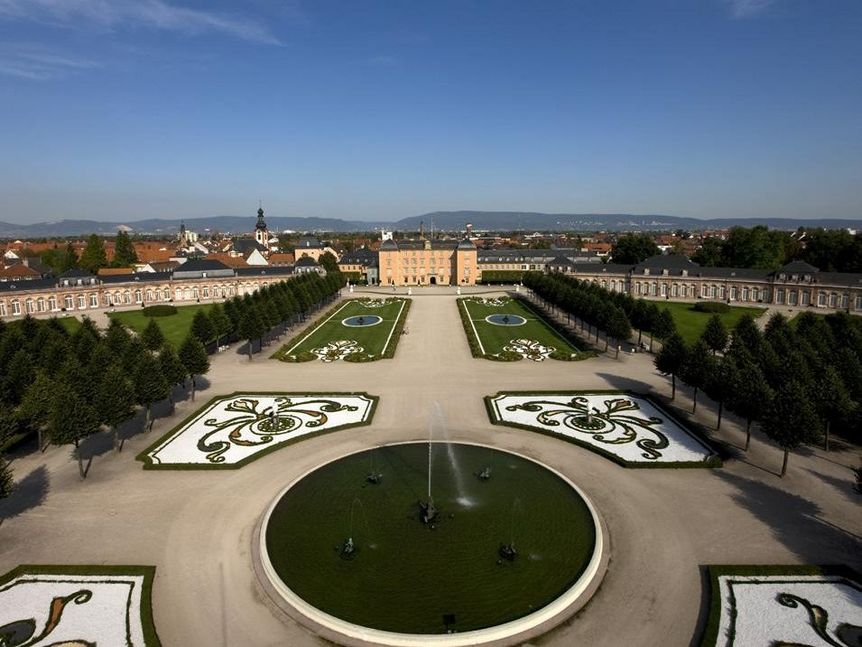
(161, 310)
(711, 307)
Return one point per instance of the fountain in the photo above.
(422, 578)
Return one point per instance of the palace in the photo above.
(428, 262)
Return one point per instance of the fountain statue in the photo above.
(485, 474)
(508, 552)
(348, 550)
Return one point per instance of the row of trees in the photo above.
(579, 298)
(796, 381)
(266, 313)
(93, 257)
(614, 312)
(61, 388)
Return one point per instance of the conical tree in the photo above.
(150, 385)
(72, 420)
(751, 395)
(94, 257)
(37, 406)
(833, 402)
(202, 328)
(173, 369)
(697, 368)
(250, 327)
(671, 358)
(153, 338)
(663, 325)
(193, 356)
(115, 400)
(715, 335)
(221, 323)
(117, 337)
(791, 420)
(124, 252)
(721, 383)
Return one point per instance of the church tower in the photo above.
(261, 233)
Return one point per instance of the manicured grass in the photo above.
(690, 324)
(492, 339)
(376, 341)
(175, 327)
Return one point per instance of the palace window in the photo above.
(2, 308)
(82, 301)
(52, 303)
(94, 300)
(68, 303)
(139, 296)
(821, 299)
(40, 304)
(16, 308)
(31, 306)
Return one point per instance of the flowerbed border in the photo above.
(712, 461)
(714, 571)
(148, 627)
(144, 457)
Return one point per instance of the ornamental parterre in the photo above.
(789, 611)
(54, 606)
(626, 427)
(233, 430)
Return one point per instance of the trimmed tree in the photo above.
(7, 481)
(37, 406)
(153, 338)
(220, 322)
(833, 401)
(663, 325)
(250, 327)
(697, 368)
(115, 400)
(150, 385)
(617, 325)
(715, 334)
(751, 396)
(721, 383)
(791, 420)
(671, 358)
(117, 337)
(173, 370)
(202, 327)
(194, 358)
(72, 419)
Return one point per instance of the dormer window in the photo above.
(782, 276)
(685, 272)
(646, 271)
(664, 272)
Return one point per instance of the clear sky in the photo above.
(128, 109)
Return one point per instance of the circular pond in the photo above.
(512, 544)
(361, 321)
(505, 320)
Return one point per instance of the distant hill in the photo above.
(439, 220)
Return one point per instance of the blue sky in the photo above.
(128, 109)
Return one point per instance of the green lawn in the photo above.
(499, 340)
(334, 338)
(690, 323)
(175, 327)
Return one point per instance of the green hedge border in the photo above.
(473, 342)
(714, 571)
(713, 461)
(151, 638)
(150, 465)
(281, 353)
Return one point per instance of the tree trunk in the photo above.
(747, 433)
(826, 438)
(249, 350)
(784, 464)
(640, 332)
(194, 385)
(116, 434)
(720, 411)
(607, 342)
(148, 423)
(617, 356)
(694, 398)
(650, 342)
(80, 461)
(40, 435)
(672, 386)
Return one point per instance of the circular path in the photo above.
(197, 527)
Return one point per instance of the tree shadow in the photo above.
(846, 488)
(29, 493)
(795, 522)
(96, 445)
(629, 384)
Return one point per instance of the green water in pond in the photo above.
(406, 577)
